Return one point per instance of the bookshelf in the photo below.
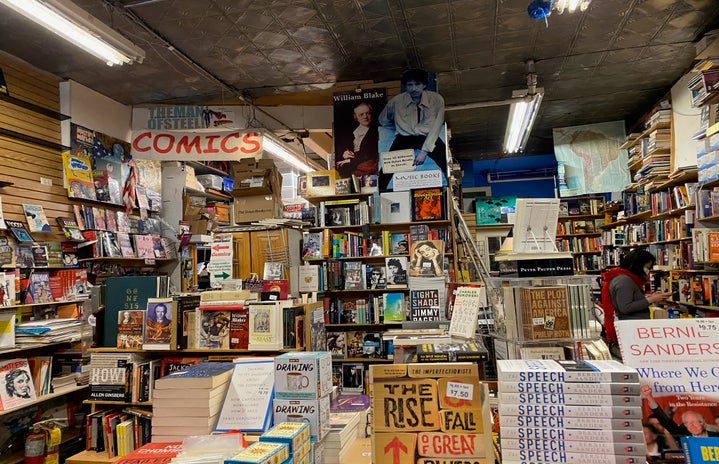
(356, 246)
(579, 231)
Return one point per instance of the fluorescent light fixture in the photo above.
(74, 24)
(522, 114)
(571, 5)
(284, 154)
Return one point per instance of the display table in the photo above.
(89, 457)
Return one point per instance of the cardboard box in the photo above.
(201, 219)
(303, 374)
(316, 412)
(255, 177)
(210, 181)
(222, 213)
(256, 208)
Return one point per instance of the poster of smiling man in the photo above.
(356, 131)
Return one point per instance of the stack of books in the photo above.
(187, 403)
(570, 411)
(344, 429)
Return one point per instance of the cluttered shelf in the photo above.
(62, 392)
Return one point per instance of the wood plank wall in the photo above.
(24, 163)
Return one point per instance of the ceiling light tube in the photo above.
(522, 115)
(279, 151)
(77, 26)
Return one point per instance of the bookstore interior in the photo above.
(396, 303)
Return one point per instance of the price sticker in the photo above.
(538, 321)
(463, 391)
(150, 261)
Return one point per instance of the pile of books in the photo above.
(344, 429)
(570, 411)
(188, 403)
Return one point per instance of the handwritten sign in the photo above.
(398, 161)
(177, 145)
(459, 392)
(394, 448)
(406, 405)
(248, 402)
(220, 265)
(466, 311)
(451, 445)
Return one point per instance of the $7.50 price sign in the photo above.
(463, 391)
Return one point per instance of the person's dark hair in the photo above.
(414, 74)
(394, 262)
(428, 243)
(10, 380)
(651, 428)
(635, 260)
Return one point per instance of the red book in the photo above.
(152, 453)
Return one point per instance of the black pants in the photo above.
(404, 142)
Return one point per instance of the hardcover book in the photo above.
(354, 276)
(337, 344)
(16, 386)
(213, 328)
(265, 326)
(172, 364)
(19, 231)
(399, 244)
(700, 450)
(396, 272)
(395, 207)
(38, 288)
(452, 352)
(125, 245)
(144, 246)
(239, 329)
(545, 312)
(130, 328)
(205, 375)
(102, 191)
(36, 219)
(393, 307)
(428, 204)
(427, 258)
(78, 175)
(128, 293)
(159, 327)
(424, 305)
(70, 228)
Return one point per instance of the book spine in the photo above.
(570, 399)
(589, 423)
(511, 456)
(612, 412)
(604, 388)
(557, 376)
(543, 433)
(637, 448)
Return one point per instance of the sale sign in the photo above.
(431, 414)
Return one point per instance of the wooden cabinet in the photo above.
(252, 249)
(242, 259)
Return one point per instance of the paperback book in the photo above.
(158, 334)
(19, 231)
(130, 328)
(36, 218)
(70, 228)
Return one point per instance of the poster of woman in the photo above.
(16, 387)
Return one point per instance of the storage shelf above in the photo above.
(652, 128)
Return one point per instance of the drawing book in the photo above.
(70, 228)
(36, 218)
(19, 230)
(78, 176)
(428, 204)
(16, 386)
(130, 328)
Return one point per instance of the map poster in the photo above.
(678, 365)
(589, 159)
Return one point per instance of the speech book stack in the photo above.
(587, 412)
(188, 402)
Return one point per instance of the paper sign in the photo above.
(417, 179)
(398, 161)
(248, 401)
(459, 390)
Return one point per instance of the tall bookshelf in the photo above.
(579, 231)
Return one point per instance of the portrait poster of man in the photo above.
(414, 119)
(356, 131)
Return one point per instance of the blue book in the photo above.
(700, 450)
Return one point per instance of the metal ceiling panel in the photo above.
(611, 62)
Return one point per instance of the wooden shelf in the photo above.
(363, 360)
(674, 240)
(14, 307)
(112, 349)
(340, 327)
(118, 403)
(684, 177)
(367, 290)
(580, 217)
(201, 168)
(349, 258)
(708, 218)
(37, 141)
(652, 128)
(135, 262)
(673, 212)
(210, 194)
(587, 234)
(341, 196)
(385, 226)
(595, 252)
(63, 392)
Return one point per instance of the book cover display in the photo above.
(16, 386)
(428, 204)
(454, 407)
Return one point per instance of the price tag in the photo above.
(150, 261)
(463, 391)
(538, 321)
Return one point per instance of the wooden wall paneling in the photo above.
(24, 163)
(242, 261)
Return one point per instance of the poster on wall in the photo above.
(414, 120)
(356, 131)
(678, 365)
(589, 159)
